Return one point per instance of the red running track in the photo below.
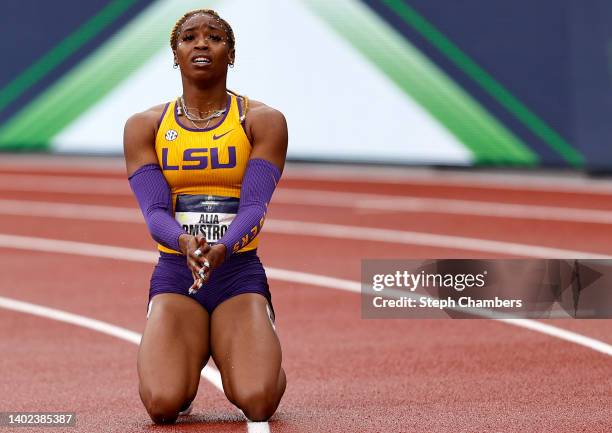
(345, 374)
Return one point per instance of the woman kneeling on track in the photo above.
(203, 169)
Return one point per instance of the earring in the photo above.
(231, 65)
(175, 65)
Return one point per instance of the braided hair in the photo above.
(177, 27)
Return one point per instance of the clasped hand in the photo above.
(202, 258)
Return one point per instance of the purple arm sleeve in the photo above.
(258, 184)
(153, 195)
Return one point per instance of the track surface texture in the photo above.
(345, 374)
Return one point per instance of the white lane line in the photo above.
(50, 163)
(86, 249)
(64, 184)
(78, 248)
(209, 373)
(258, 427)
(73, 319)
(553, 181)
(350, 200)
(213, 376)
(521, 180)
(372, 234)
(561, 333)
(50, 209)
(389, 203)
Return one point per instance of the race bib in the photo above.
(206, 215)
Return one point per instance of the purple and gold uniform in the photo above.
(204, 169)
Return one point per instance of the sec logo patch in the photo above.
(171, 135)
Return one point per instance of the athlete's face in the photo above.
(203, 47)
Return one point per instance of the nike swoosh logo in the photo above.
(216, 137)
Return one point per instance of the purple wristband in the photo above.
(153, 195)
(258, 184)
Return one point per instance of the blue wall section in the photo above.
(591, 78)
(512, 41)
(553, 55)
(31, 28)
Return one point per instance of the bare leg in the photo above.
(174, 349)
(247, 351)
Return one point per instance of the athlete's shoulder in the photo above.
(146, 119)
(261, 116)
(139, 138)
(259, 110)
(267, 131)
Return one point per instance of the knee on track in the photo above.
(257, 404)
(163, 408)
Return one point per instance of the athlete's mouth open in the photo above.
(201, 60)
